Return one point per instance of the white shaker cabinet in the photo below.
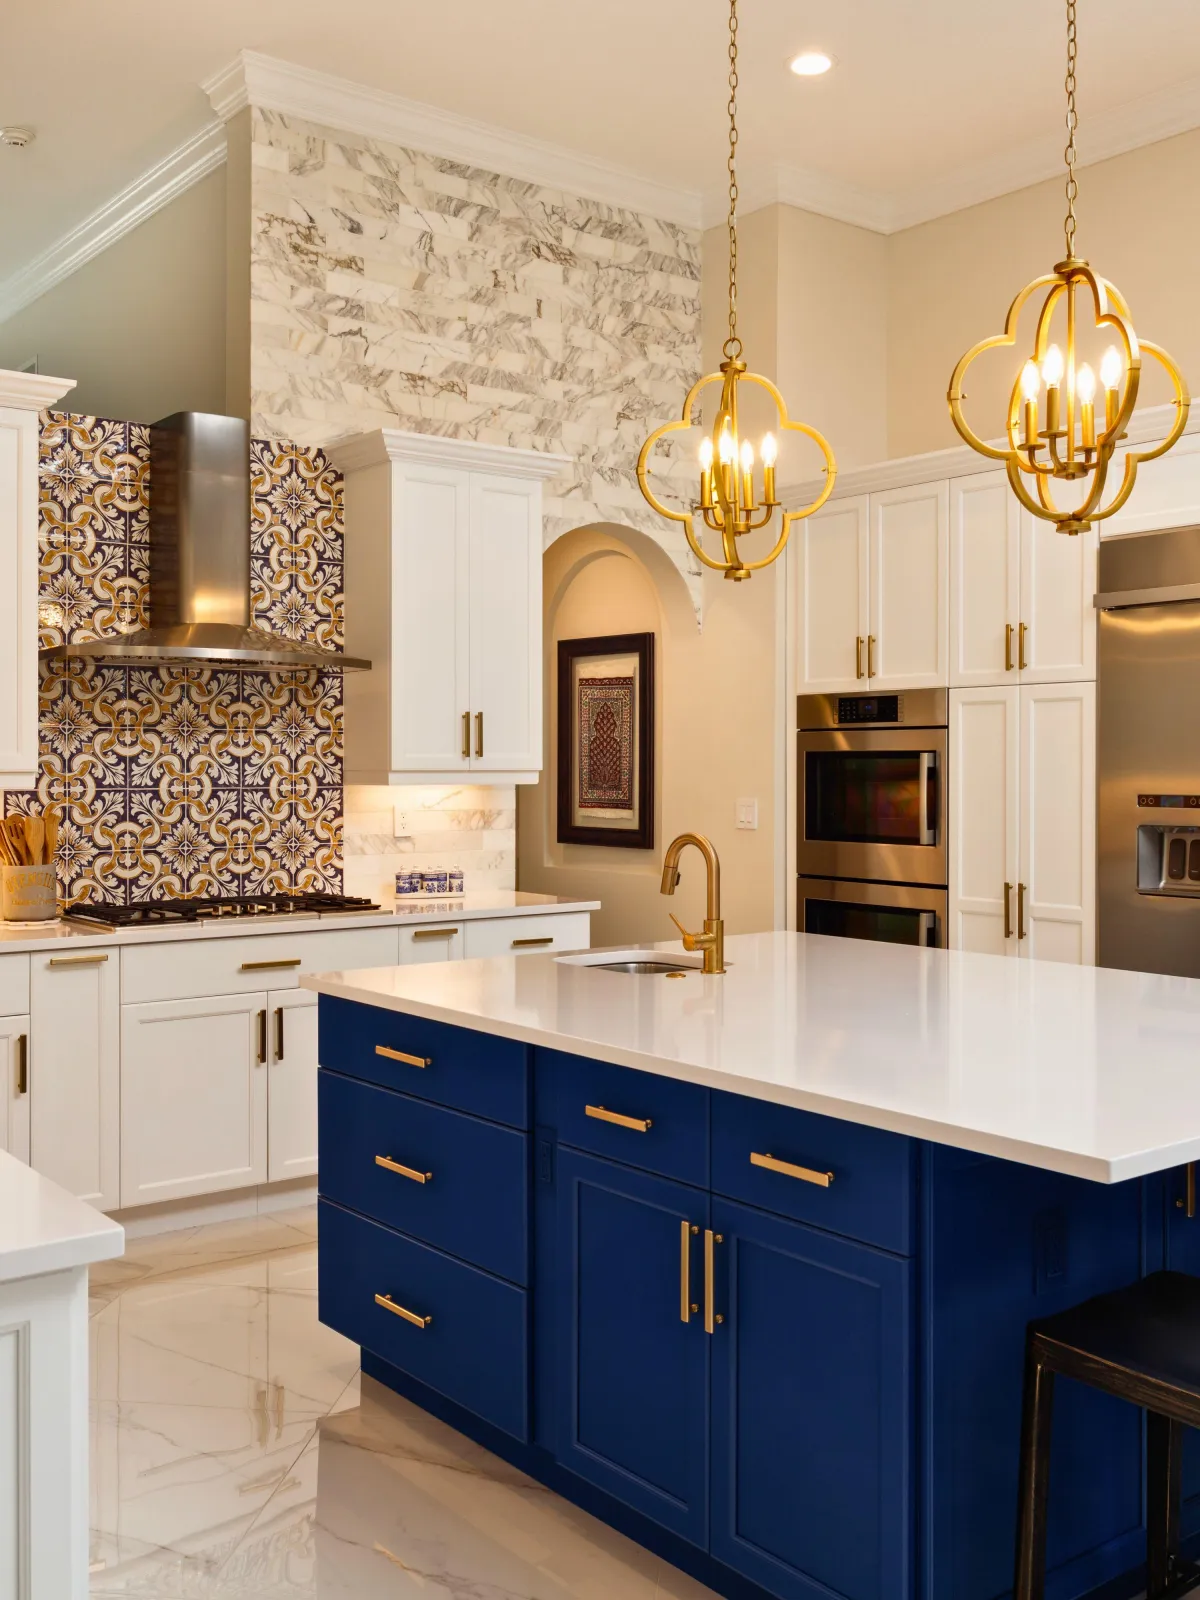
(292, 1085)
(75, 1073)
(22, 396)
(1022, 820)
(873, 592)
(444, 596)
(1021, 592)
(14, 1087)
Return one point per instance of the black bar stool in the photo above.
(1141, 1343)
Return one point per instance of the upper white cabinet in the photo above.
(1021, 592)
(873, 592)
(1022, 820)
(444, 596)
(22, 396)
(1166, 493)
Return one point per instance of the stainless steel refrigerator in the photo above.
(1148, 753)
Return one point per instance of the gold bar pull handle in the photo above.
(405, 1172)
(1008, 910)
(262, 1037)
(858, 644)
(270, 966)
(78, 961)
(466, 742)
(434, 933)
(790, 1170)
(711, 1315)
(479, 736)
(1021, 632)
(1008, 660)
(638, 1124)
(686, 1233)
(279, 1033)
(533, 944)
(388, 1304)
(403, 1055)
(22, 1063)
(1020, 911)
(870, 655)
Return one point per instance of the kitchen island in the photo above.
(743, 1263)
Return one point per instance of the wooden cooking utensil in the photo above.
(14, 828)
(35, 840)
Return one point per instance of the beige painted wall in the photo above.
(141, 327)
(950, 281)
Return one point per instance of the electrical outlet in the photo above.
(747, 813)
(399, 822)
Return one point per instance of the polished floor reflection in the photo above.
(237, 1453)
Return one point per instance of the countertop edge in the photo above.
(1070, 1163)
(61, 1255)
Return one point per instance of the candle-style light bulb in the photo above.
(725, 448)
(769, 453)
(1085, 388)
(747, 475)
(706, 461)
(1031, 382)
(1052, 373)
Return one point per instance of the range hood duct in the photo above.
(200, 561)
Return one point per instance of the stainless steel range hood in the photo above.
(200, 560)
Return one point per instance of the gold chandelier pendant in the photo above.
(732, 501)
(1053, 436)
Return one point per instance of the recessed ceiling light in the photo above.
(811, 63)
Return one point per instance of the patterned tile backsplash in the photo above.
(185, 781)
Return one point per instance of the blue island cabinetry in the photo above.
(782, 1350)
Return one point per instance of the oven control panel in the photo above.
(1168, 860)
(865, 708)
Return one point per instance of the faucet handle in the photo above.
(689, 939)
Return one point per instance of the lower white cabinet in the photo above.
(292, 1085)
(441, 943)
(515, 936)
(193, 1097)
(75, 1073)
(14, 1089)
(1022, 821)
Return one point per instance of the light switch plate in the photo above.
(747, 813)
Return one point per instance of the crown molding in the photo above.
(156, 188)
(275, 85)
(31, 391)
(382, 445)
(1147, 425)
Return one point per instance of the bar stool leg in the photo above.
(1034, 1483)
(1164, 1451)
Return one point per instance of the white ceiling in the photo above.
(933, 104)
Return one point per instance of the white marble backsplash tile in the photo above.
(466, 826)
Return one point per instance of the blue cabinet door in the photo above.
(1181, 1239)
(811, 1378)
(632, 1413)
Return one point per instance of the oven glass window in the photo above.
(888, 924)
(856, 797)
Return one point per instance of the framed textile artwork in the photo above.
(606, 741)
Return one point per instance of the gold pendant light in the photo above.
(1052, 430)
(731, 503)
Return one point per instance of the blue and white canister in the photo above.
(408, 882)
(434, 882)
(454, 880)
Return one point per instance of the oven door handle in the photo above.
(928, 925)
(928, 765)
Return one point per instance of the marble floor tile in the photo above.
(238, 1454)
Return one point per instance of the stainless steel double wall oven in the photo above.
(872, 859)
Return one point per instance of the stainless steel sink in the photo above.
(644, 969)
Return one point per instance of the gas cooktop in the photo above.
(216, 908)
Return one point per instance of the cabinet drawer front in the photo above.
(14, 985)
(191, 969)
(516, 936)
(451, 1180)
(457, 1067)
(646, 1121)
(474, 1345)
(869, 1195)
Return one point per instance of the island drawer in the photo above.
(475, 1072)
(441, 1176)
(658, 1124)
(451, 1326)
(852, 1180)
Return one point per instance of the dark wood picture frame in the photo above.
(570, 651)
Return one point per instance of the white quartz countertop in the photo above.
(471, 907)
(45, 1229)
(1081, 1070)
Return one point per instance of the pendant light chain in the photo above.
(733, 345)
(1072, 123)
